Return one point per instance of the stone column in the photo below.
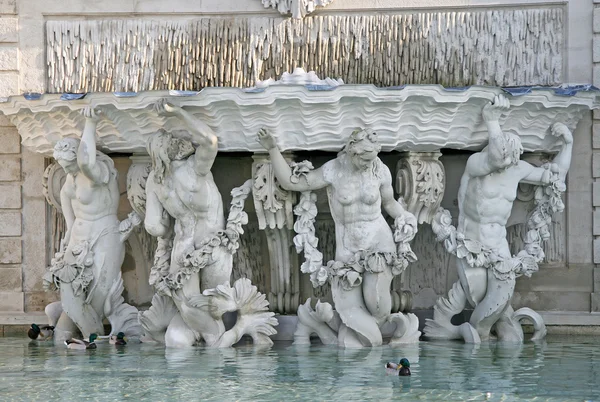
(420, 182)
(274, 212)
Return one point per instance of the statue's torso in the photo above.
(355, 203)
(193, 200)
(92, 201)
(487, 206)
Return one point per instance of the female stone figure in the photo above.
(87, 267)
(358, 185)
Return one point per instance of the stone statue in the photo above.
(368, 254)
(487, 271)
(193, 262)
(87, 268)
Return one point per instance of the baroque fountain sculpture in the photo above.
(193, 261)
(178, 202)
(87, 268)
(487, 271)
(368, 254)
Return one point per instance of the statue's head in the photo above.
(514, 148)
(163, 149)
(362, 148)
(65, 153)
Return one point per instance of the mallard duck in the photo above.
(43, 333)
(118, 339)
(81, 344)
(403, 368)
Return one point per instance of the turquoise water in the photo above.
(558, 369)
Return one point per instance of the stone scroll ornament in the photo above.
(87, 267)
(369, 254)
(194, 256)
(491, 295)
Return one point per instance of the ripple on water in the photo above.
(558, 369)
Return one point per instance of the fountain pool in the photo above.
(561, 368)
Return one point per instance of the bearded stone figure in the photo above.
(368, 253)
(194, 258)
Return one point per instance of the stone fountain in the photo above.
(175, 136)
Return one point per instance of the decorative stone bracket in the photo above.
(273, 207)
(420, 181)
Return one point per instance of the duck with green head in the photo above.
(81, 344)
(40, 333)
(402, 368)
(118, 339)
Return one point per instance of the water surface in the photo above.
(564, 368)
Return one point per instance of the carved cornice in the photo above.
(410, 118)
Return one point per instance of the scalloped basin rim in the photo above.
(411, 117)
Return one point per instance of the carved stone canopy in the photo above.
(307, 117)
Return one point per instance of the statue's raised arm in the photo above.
(198, 133)
(499, 153)
(313, 180)
(86, 154)
(560, 164)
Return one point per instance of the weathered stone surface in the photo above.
(9, 58)
(596, 164)
(9, 29)
(8, 6)
(596, 135)
(552, 301)
(10, 168)
(11, 279)
(37, 301)
(10, 223)
(9, 83)
(596, 279)
(552, 279)
(10, 251)
(10, 196)
(11, 301)
(10, 141)
(596, 221)
(595, 302)
(596, 20)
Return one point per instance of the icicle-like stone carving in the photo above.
(452, 48)
(274, 211)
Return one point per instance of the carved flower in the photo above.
(324, 311)
(79, 248)
(350, 279)
(300, 169)
(375, 262)
(319, 277)
(214, 241)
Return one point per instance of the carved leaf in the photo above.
(267, 190)
(430, 181)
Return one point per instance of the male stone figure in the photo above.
(182, 187)
(486, 268)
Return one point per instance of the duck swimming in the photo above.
(43, 333)
(118, 339)
(81, 344)
(403, 367)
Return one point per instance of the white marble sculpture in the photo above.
(368, 253)
(297, 8)
(487, 271)
(193, 261)
(87, 267)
